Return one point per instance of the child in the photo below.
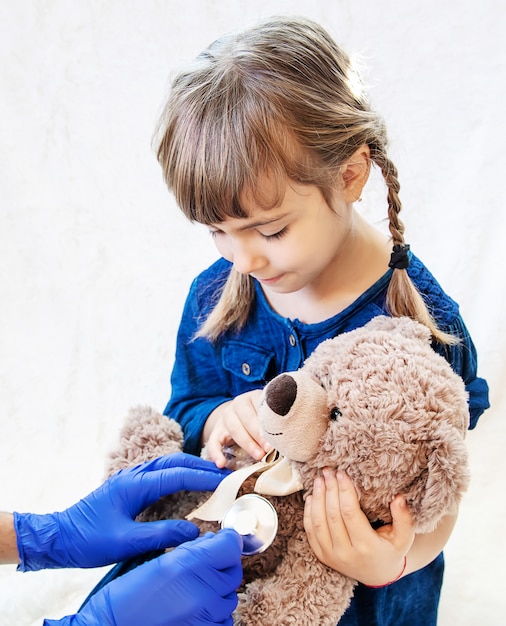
(268, 139)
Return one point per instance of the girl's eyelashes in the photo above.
(277, 235)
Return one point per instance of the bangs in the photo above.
(215, 149)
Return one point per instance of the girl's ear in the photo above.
(355, 172)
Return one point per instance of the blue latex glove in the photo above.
(100, 529)
(194, 585)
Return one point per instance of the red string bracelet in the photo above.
(392, 581)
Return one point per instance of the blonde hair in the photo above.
(281, 98)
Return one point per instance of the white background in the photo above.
(95, 260)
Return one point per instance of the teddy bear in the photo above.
(376, 402)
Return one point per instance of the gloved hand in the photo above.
(194, 585)
(100, 529)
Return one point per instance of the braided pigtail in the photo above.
(403, 298)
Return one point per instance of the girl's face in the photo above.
(290, 247)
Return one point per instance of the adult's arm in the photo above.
(8, 545)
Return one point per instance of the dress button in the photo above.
(292, 340)
(246, 369)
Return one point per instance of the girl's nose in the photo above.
(246, 260)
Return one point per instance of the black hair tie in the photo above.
(399, 259)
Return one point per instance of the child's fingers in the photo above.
(315, 520)
(324, 524)
(251, 422)
(356, 523)
(402, 523)
(244, 439)
(333, 509)
(214, 447)
(244, 430)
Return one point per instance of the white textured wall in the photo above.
(95, 260)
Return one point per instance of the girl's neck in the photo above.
(355, 267)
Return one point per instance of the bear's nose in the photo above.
(280, 394)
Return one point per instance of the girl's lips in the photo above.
(269, 281)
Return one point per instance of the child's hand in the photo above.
(235, 421)
(342, 538)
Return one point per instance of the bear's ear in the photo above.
(402, 325)
(438, 490)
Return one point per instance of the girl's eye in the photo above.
(214, 233)
(277, 235)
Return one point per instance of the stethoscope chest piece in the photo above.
(255, 519)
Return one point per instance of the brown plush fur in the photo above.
(376, 402)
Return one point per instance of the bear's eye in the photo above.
(335, 414)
